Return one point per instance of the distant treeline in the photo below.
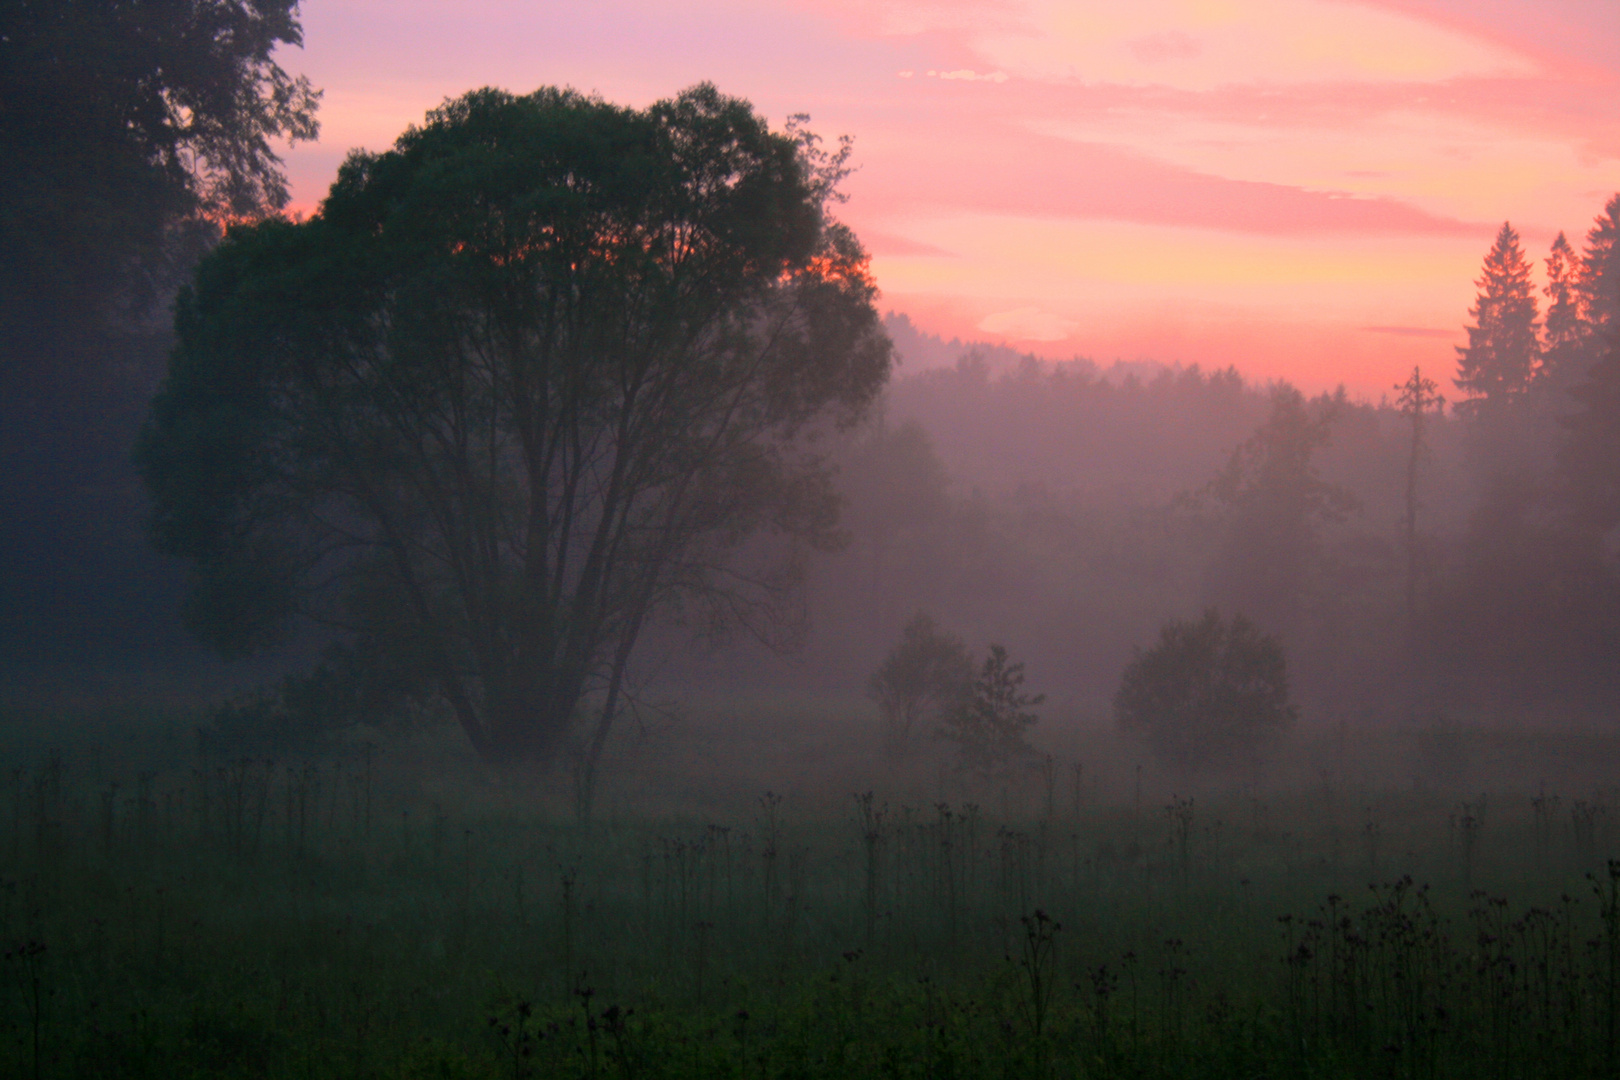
(1424, 564)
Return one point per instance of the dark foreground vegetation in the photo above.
(391, 909)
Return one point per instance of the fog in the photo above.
(1061, 508)
(1068, 511)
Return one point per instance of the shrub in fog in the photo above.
(923, 679)
(1209, 693)
(989, 723)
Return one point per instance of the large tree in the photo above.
(533, 375)
(125, 126)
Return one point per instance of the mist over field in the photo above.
(1121, 582)
(1065, 509)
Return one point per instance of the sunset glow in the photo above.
(1303, 188)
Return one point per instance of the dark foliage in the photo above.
(1274, 502)
(127, 128)
(130, 130)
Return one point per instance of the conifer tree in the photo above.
(1564, 333)
(1599, 295)
(1502, 352)
(1589, 457)
(1600, 276)
(990, 723)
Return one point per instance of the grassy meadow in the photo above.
(755, 898)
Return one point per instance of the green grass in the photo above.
(399, 912)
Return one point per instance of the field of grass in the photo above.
(387, 908)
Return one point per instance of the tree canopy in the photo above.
(123, 125)
(531, 376)
(1587, 460)
(1600, 273)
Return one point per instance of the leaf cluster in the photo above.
(1272, 475)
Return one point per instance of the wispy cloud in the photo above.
(1085, 180)
(1028, 324)
(969, 75)
(894, 245)
(1262, 41)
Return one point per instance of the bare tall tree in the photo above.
(1416, 401)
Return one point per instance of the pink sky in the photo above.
(1302, 188)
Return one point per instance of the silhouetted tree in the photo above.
(1500, 359)
(1417, 399)
(129, 131)
(924, 679)
(990, 725)
(1565, 331)
(1517, 617)
(529, 377)
(1600, 276)
(1590, 460)
(1209, 693)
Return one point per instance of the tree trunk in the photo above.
(585, 792)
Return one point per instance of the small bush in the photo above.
(307, 712)
(989, 725)
(1209, 693)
